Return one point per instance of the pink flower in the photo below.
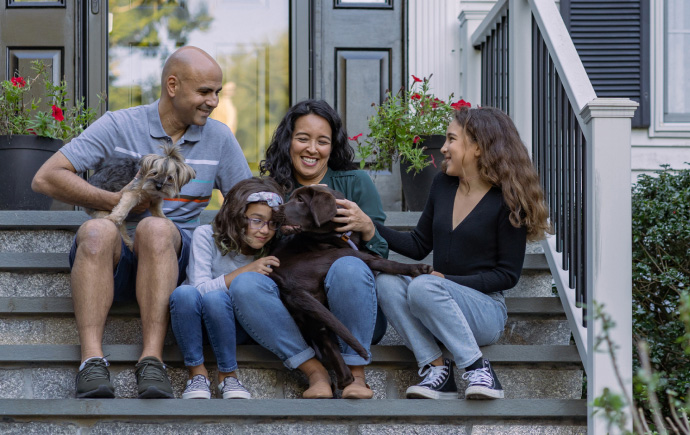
(415, 97)
(459, 104)
(433, 161)
(18, 82)
(355, 137)
(416, 139)
(416, 79)
(57, 114)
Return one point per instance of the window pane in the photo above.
(248, 38)
(677, 56)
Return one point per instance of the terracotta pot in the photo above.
(416, 186)
(20, 158)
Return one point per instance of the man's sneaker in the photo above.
(484, 383)
(197, 388)
(93, 380)
(232, 388)
(439, 383)
(152, 380)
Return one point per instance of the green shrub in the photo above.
(661, 276)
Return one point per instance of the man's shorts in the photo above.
(125, 274)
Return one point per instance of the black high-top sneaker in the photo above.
(484, 383)
(439, 383)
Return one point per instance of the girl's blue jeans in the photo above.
(428, 307)
(192, 313)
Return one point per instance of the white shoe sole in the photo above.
(416, 392)
(237, 395)
(481, 393)
(197, 395)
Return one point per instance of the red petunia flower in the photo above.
(433, 160)
(31, 130)
(355, 137)
(416, 79)
(18, 82)
(416, 139)
(57, 114)
(462, 103)
(415, 97)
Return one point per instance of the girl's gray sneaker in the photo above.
(197, 388)
(232, 388)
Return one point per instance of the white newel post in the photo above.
(609, 245)
(520, 69)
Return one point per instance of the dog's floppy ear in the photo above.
(323, 207)
(185, 174)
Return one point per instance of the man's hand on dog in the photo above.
(353, 219)
(263, 265)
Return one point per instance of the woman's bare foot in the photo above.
(359, 388)
(319, 380)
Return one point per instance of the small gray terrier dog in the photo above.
(154, 177)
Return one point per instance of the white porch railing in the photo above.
(581, 147)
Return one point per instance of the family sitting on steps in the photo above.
(213, 283)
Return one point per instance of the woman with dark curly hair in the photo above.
(310, 146)
(236, 242)
(481, 210)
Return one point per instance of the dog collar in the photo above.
(345, 237)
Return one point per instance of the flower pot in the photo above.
(20, 158)
(416, 186)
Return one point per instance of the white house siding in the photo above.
(648, 154)
(434, 44)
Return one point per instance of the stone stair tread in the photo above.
(281, 408)
(255, 354)
(59, 262)
(536, 306)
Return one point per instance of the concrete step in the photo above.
(48, 371)
(45, 320)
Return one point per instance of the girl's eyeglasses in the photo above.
(257, 224)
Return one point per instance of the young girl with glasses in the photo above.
(236, 242)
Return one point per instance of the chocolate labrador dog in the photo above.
(305, 257)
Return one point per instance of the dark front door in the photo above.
(39, 30)
(359, 53)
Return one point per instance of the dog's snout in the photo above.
(159, 186)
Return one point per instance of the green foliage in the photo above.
(61, 121)
(399, 123)
(661, 278)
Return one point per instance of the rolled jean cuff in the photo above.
(469, 361)
(194, 363)
(356, 360)
(227, 370)
(297, 360)
(427, 361)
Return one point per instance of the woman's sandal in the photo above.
(319, 389)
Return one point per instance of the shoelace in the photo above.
(435, 375)
(156, 374)
(479, 377)
(198, 383)
(96, 369)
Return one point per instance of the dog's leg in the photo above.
(125, 237)
(392, 267)
(128, 201)
(329, 346)
(156, 208)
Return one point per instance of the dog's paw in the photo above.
(422, 269)
(114, 219)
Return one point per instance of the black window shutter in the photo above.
(612, 38)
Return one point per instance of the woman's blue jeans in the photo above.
(351, 293)
(191, 313)
(428, 307)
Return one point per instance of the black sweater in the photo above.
(484, 252)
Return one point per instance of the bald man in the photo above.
(103, 268)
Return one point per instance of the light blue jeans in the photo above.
(428, 307)
(351, 294)
(191, 313)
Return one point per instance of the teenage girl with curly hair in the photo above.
(481, 210)
(238, 241)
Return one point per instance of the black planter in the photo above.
(416, 186)
(20, 158)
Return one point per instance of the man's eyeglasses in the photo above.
(257, 224)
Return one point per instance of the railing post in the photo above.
(609, 246)
(472, 14)
(520, 70)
